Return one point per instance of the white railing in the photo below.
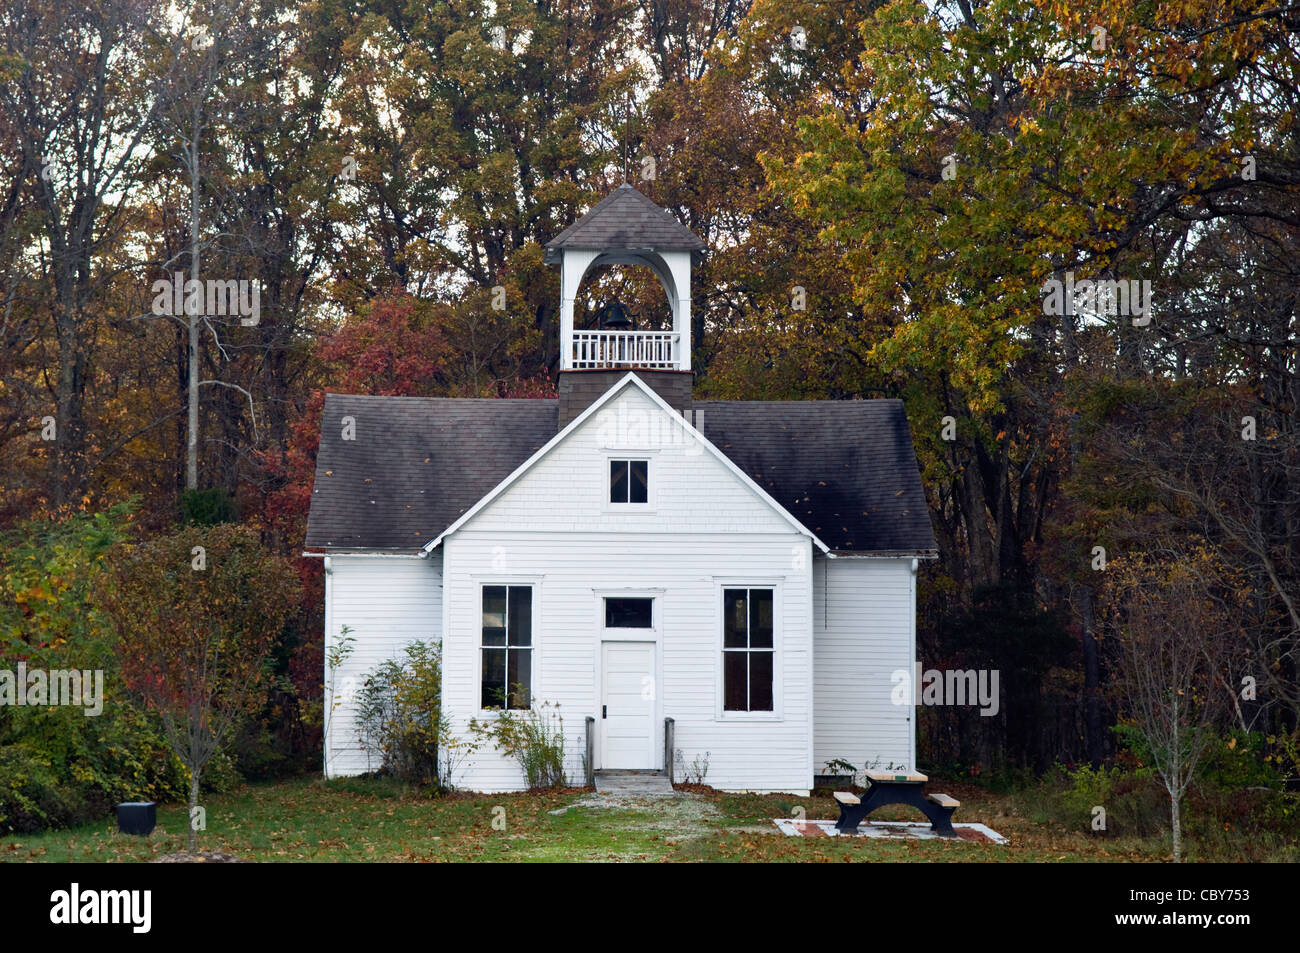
(658, 349)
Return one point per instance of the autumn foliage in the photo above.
(884, 186)
(196, 614)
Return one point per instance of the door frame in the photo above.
(653, 635)
(656, 709)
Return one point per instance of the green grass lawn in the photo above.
(366, 820)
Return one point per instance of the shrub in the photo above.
(57, 766)
(208, 507)
(1134, 802)
(1283, 757)
(1237, 761)
(30, 794)
(535, 739)
(1244, 791)
(400, 719)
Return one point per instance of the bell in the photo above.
(613, 317)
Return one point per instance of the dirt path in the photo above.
(677, 816)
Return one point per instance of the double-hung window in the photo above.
(507, 647)
(748, 650)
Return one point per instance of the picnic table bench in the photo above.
(896, 787)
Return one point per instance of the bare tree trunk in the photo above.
(1175, 817)
(981, 554)
(1092, 728)
(1174, 783)
(70, 443)
(192, 448)
(193, 843)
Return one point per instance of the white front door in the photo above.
(628, 705)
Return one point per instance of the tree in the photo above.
(1175, 626)
(80, 120)
(186, 118)
(984, 147)
(196, 614)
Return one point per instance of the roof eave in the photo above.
(318, 551)
(555, 255)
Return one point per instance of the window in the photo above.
(507, 647)
(629, 481)
(624, 613)
(747, 649)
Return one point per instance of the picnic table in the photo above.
(896, 787)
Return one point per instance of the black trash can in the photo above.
(137, 817)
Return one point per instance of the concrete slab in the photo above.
(900, 830)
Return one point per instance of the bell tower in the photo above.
(625, 228)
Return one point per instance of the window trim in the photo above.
(651, 634)
(634, 455)
(720, 712)
(534, 668)
(654, 611)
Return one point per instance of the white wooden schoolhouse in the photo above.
(730, 581)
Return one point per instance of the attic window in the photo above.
(629, 481)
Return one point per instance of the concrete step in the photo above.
(632, 782)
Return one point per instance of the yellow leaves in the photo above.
(37, 593)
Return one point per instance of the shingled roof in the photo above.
(845, 469)
(625, 219)
(416, 464)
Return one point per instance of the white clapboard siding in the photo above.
(568, 573)
(387, 603)
(844, 626)
(864, 614)
(554, 529)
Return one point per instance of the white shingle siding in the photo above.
(387, 603)
(690, 490)
(865, 631)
